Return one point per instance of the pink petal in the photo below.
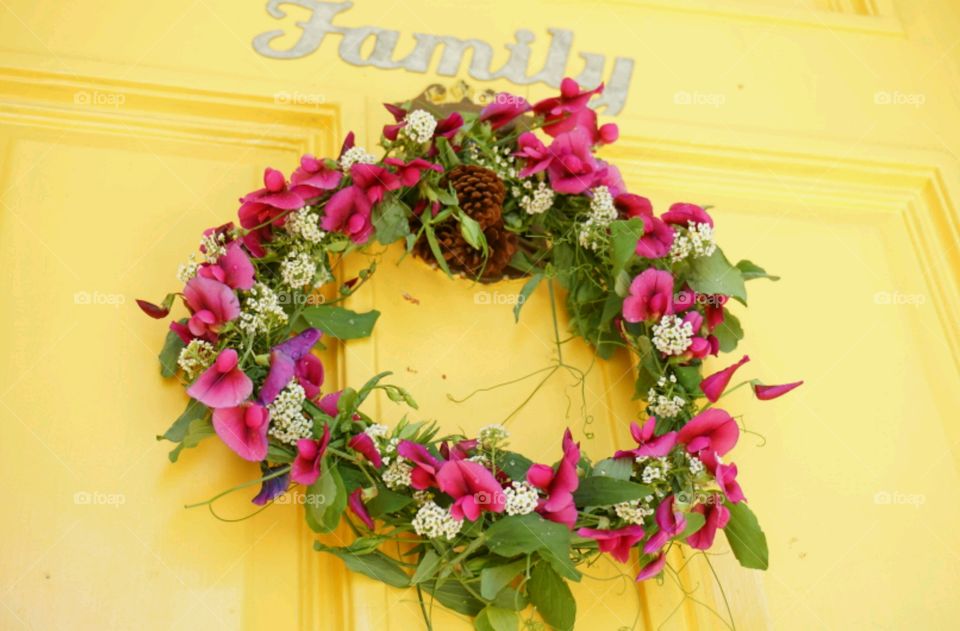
(714, 385)
(243, 429)
(652, 568)
(765, 393)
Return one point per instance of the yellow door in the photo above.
(824, 132)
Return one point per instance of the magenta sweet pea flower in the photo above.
(265, 208)
(473, 488)
(609, 175)
(313, 178)
(222, 385)
(233, 268)
(357, 507)
(712, 430)
(682, 214)
(558, 484)
(363, 444)
(328, 404)
(717, 515)
(726, 475)
(647, 443)
(243, 429)
(212, 304)
(650, 296)
(534, 152)
(765, 393)
(374, 180)
(425, 465)
(348, 212)
(573, 168)
(449, 126)
(671, 523)
(460, 450)
(390, 132)
(306, 466)
(504, 108)
(568, 110)
(409, 173)
(284, 360)
(615, 542)
(657, 235)
(309, 374)
(714, 385)
(652, 568)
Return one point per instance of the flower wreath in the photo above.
(475, 191)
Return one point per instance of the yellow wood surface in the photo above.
(824, 132)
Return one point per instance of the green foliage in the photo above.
(326, 499)
(606, 491)
(390, 220)
(376, 565)
(715, 275)
(751, 270)
(170, 352)
(494, 578)
(551, 595)
(340, 323)
(497, 619)
(747, 540)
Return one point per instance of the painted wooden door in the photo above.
(824, 132)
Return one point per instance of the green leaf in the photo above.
(495, 578)
(623, 242)
(341, 323)
(390, 221)
(525, 292)
(376, 565)
(497, 619)
(170, 353)
(427, 567)
(751, 270)
(510, 598)
(715, 275)
(747, 540)
(198, 429)
(513, 464)
(689, 377)
(472, 233)
(326, 499)
(695, 522)
(729, 333)
(607, 491)
(387, 501)
(453, 595)
(524, 534)
(616, 468)
(278, 454)
(435, 248)
(551, 595)
(447, 153)
(447, 196)
(178, 430)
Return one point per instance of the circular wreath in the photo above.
(474, 190)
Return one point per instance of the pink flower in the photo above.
(363, 444)
(348, 212)
(536, 154)
(717, 515)
(243, 429)
(425, 465)
(682, 214)
(712, 430)
(765, 393)
(312, 178)
(357, 507)
(328, 404)
(309, 374)
(266, 207)
(726, 475)
(562, 113)
(157, 312)
(573, 168)
(284, 360)
(616, 542)
(374, 180)
(212, 304)
(558, 484)
(650, 296)
(459, 450)
(410, 172)
(233, 268)
(652, 568)
(306, 467)
(648, 445)
(473, 488)
(390, 132)
(504, 108)
(222, 385)
(671, 523)
(657, 236)
(449, 126)
(608, 175)
(714, 385)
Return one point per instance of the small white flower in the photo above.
(261, 311)
(297, 270)
(492, 435)
(188, 270)
(305, 224)
(196, 357)
(633, 512)
(213, 246)
(593, 231)
(287, 421)
(672, 336)
(397, 474)
(539, 201)
(419, 126)
(433, 522)
(356, 155)
(695, 241)
(521, 498)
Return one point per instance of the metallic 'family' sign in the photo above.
(454, 50)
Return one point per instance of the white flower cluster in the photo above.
(653, 468)
(188, 270)
(593, 231)
(355, 155)
(397, 474)
(504, 164)
(696, 241)
(695, 464)
(634, 512)
(538, 200)
(672, 336)
(492, 436)
(419, 126)
(195, 357)
(377, 430)
(661, 404)
(305, 224)
(434, 522)
(287, 422)
(422, 496)
(522, 498)
(261, 311)
(297, 270)
(213, 246)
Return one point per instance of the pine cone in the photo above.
(460, 256)
(480, 192)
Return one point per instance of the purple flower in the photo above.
(273, 487)
(284, 360)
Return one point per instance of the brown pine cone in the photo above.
(480, 192)
(460, 256)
